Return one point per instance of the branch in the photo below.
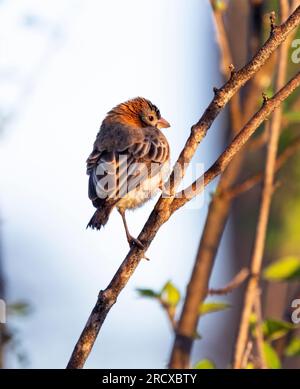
(259, 337)
(162, 210)
(227, 68)
(235, 191)
(266, 198)
(225, 57)
(250, 182)
(189, 317)
(238, 142)
(233, 284)
(158, 216)
(219, 207)
(224, 94)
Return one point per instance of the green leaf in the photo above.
(274, 329)
(213, 306)
(170, 294)
(293, 116)
(252, 318)
(252, 323)
(293, 348)
(205, 364)
(284, 269)
(219, 5)
(19, 308)
(272, 359)
(147, 293)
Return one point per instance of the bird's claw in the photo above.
(135, 242)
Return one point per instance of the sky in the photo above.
(63, 65)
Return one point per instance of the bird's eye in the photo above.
(151, 118)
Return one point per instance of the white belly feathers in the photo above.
(145, 191)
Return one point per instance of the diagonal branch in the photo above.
(250, 182)
(163, 210)
(225, 93)
(238, 142)
(158, 217)
(189, 317)
(219, 207)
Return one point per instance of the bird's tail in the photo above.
(99, 218)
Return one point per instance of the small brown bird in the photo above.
(129, 161)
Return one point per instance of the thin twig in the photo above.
(162, 210)
(238, 142)
(224, 94)
(250, 182)
(225, 57)
(233, 284)
(259, 337)
(266, 198)
(227, 68)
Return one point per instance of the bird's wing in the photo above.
(116, 170)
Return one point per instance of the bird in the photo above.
(129, 162)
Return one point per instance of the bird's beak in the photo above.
(162, 123)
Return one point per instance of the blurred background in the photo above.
(63, 65)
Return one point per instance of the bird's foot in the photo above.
(135, 242)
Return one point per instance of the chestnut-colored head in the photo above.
(138, 112)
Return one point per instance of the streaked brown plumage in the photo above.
(129, 161)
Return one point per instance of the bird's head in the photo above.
(138, 112)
